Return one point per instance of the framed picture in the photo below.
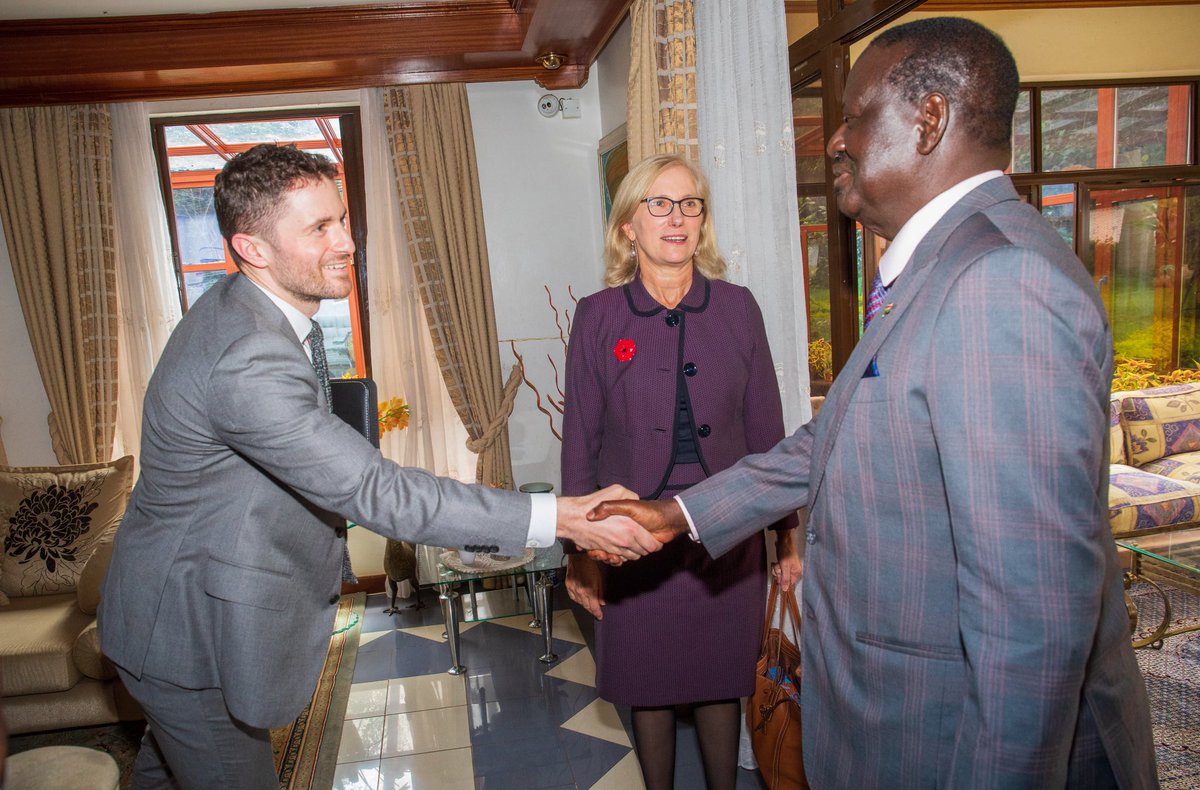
(614, 164)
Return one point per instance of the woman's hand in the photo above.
(790, 567)
(585, 584)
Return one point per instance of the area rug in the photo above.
(1172, 676)
(305, 750)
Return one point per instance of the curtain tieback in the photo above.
(501, 419)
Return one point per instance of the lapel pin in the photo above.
(887, 308)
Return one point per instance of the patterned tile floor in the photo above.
(509, 722)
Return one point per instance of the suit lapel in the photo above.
(906, 290)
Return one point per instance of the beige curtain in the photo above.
(433, 154)
(57, 209)
(662, 80)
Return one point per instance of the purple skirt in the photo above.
(680, 627)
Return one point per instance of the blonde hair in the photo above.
(620, 265)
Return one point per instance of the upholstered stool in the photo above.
(62, 766)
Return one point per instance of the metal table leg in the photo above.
(545, 588)
(534, 599)
(449, 600)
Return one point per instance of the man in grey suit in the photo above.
(963, 616)
(225, 575)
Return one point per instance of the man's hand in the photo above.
(585, 584)
(618, 537)
(662, 518)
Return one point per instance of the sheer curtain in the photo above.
(746, 148)
(147, 294)
(402, 358)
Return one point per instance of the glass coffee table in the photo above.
(539, 573)
(1171, 558)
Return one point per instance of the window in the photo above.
(193, 149)
(1111, 167)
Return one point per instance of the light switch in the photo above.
(570, 108)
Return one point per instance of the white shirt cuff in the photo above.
(691, 524)
(543, 521)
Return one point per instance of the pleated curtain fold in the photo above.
(433, 154)
(662, 102)
(57, 208)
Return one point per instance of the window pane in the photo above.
(185, 164)
(808, 128)
(1142, 249)
(1069, 129)
(181, 136)
(1137, 126)
(1146, 118)
(1058, 207)
(267, 131)
(334, 318)
(1022, 159)
(196, 283)
(196, 221)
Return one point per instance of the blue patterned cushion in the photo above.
(1138, 499)
(1160, 422)
(1181, 466)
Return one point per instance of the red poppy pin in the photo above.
(624, 350)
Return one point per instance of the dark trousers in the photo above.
(193, 743)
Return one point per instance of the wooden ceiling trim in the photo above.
(194, 55)
(810, 6)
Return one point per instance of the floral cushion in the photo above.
(1138, 499)
(52, 517)
(1161, 422)
(1182, 466)
(1116, 437)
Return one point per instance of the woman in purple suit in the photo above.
(670, 380)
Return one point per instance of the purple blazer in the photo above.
(623, 363)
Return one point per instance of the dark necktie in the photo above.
(874, 300)
(316, 345)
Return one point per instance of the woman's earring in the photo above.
(633, 249)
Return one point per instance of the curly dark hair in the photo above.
(251, 186)
(967, 63)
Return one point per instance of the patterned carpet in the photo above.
(1173, 683)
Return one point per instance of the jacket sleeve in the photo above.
(584, 403)
(273, 418)
(1021, 366)
(762, 408)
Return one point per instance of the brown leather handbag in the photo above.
(773, 711)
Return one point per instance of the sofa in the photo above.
(1154, 477)
(56, 530)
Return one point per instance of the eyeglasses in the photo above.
(663, 206)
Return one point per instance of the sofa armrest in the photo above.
(87, 656)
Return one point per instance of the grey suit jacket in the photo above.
(226, 569)
(963, 615)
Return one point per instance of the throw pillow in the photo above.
(55, 515)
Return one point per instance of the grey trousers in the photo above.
(193, 743)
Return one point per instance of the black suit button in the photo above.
(704, 431)
(672, 318)
(689, 368)
(339, 531)
(333, 599)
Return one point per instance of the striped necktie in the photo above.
(874, 300)
(316, 345)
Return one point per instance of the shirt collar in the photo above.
(898, 253)
(300, 323)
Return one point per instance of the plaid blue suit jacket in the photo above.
(964, 625)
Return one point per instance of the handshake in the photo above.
(613, 525)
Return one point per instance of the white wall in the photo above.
(24, 406)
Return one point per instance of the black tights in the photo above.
(717, 726)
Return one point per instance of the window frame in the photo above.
(353, 193)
